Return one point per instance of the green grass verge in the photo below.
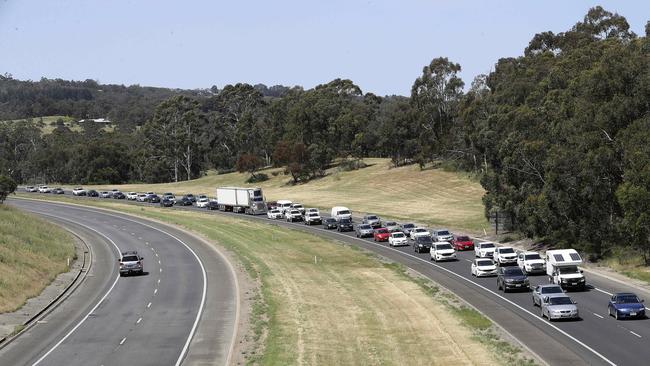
(323, 303)
(32, 253)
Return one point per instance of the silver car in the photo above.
(442, 235)
(559, 306)
(372, 220)
(131, 263)
(542, 291)
(364, 230)
(406, 228)
(392, 226)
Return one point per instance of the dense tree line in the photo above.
(560, 136)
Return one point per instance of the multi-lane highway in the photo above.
(184, 309)
(596, 339)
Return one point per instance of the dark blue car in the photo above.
(626, 305)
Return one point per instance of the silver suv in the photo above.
(131, 263)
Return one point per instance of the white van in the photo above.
(340, 212)
(283, 205)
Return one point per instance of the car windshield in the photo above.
(443, 246)
(560, 300)
(463, 238)
(130, 258)
(514, 271)
(297, 206)
(532, 256)
(506, 250)
(344, 212)
(552, 290)
(382, 231)
(408, 226)
(203, 200)
(346, 221)
(371, 217)
(313, 214)
(443, 232)
(398, 235)
(330, 220)
(569, 270)
(423, 239)
(484, 263)
(391, 223)
(295, 212)
(364, 227)
(627, 299)
(420, 230)
(487, 245)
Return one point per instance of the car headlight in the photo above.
(509, 280)
(582, 280)
(564, 280)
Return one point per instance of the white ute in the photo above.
(340, 212)
(274, 214)
(505, 256)
(442, 251)
(483, 267)
(562, 268)
(531, 262)
(484, 250)
(397, 238)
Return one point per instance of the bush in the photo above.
(259, 177)
(349, 165)
(7, 187)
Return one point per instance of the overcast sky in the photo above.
(380, 45)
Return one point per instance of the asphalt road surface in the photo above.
(184, 309)
(595, 339)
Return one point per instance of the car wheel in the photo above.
(541, 313)
(534, 302)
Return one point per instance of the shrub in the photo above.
(259, 177)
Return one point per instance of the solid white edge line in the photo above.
(94, 307)
(205, 277)
(489, 291)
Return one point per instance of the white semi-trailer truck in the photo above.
(247, 200)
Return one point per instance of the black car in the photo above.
(212, 205)
(58, 191)
(153, 198)
(422, 243)
(119, 195)
(511, 278)
(184, 201)
(330, 223)
(92, 193)
(345, 225)
(166, 202)
(190, 197)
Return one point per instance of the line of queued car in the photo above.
(510, 267)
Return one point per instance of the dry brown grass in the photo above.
(430, 197)
(32, 253)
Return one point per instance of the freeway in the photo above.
(183, 310)
(595, 339)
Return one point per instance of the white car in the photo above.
(170, 196)
(131, 196)
(442, 235)
(202, 202)
(142, 197)
(44, 189)
(312, 218)
(397, 238)
(482, 267)
(293, 215)
(299, 207)
(531, 262)
(419, 231)
(274, 214)
(312, 210)
(31, 189)
(104, 194)
(505, 256)
(484, 249)
(78, 192)
(442, 251)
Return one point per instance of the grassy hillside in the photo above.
(32, 253)
(324, 303)
(432, 197)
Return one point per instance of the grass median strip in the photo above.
(32, 253)
(330, 304)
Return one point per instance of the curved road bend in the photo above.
(183, 310)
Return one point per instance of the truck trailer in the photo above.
(246, 200)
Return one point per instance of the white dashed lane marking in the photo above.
(148, 305)
(139, 320)
(122, 341)
(635, 334)
(600, 316)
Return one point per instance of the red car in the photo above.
(381, 234)
(462, 242)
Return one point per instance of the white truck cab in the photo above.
(340, 212)
(562, 268)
